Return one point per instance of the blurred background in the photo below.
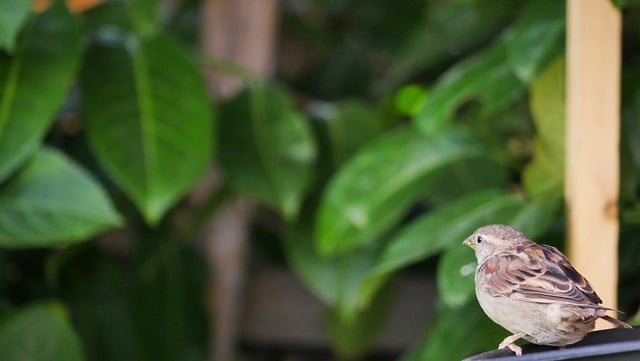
(279, 180)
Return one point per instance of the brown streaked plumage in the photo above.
(532, 290)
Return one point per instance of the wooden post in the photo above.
(592, 141)
(242, 32)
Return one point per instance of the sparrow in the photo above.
(532, 290)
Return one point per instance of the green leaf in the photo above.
(445, 226)
(13, 14)
(143, 15)
(373, 190)
(444, 229)
(355, 316)
(122, 310)
(100, 297)
(337, 281)
(341, 129)
(438, 39)
(266, 148)
(168, 305)
(39, 333)
(463, 177)
(457, 266)
(350, 125)
(538, 38)
(34, 81)
(545, 174)
(455, 277)
(108, 15)
(537, 215)
(51, 201)
(458, 333)
(409, 99)
(485, 77)
(352, 337)
(148, 117)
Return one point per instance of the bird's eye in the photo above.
(479, 239)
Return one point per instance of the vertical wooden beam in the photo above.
(242, 32)
(592, 138)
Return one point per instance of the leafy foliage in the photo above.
(484, 77)
(150, 139)
(545, 175)
(52, 200)
(131, 91)
(31, 90)
(389, 135)
(39, 333)
(541, 23)
(266, 148)
(13, 13)
(374, 189)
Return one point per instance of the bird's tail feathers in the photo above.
(617, 323)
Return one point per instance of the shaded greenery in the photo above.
(390, 132)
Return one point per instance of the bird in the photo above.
(532, 290)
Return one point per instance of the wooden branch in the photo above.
(243, 33)
(227, 248)
(592, 142)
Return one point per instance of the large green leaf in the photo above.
(374, 189)
(39, 333)
(168, 304)
(445, 226)
(266, 148)
(438, 37)
(122, 310)
(341, 129)
(13, 13)
(109, 15)
(50, 201)
(148, 117)
(485, 77)
(337, 281)
(538, 38)
(456, 270)
(466, 176)
(349, 125)
(100, 297)
(354, 317)
(144, 16)
(545, 174)
(34, 81)
(351, 337)
(457, 266)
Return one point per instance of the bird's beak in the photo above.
(469, 242)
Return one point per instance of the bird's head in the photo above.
(491, 239)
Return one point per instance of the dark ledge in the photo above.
(612, 345)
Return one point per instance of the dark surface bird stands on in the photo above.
(615, 344)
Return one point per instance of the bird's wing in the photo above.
(536, 273)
